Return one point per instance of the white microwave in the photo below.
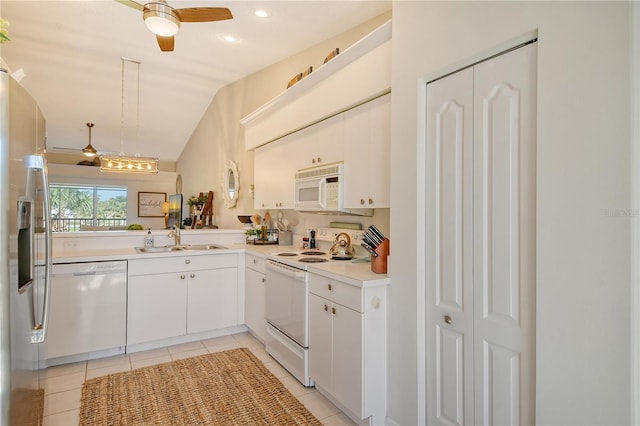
(321, 189)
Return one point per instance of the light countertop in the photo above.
(358, 274)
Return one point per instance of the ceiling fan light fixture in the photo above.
(89, 150)
(161, 19)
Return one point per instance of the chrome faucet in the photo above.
(175, 233)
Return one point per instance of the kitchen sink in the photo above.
(165, 249)
(157, 249)
(201, 247)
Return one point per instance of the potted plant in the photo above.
(198, 201)
(253, 234)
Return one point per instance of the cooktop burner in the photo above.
(312, 260)
(313, 253)
(287, 254)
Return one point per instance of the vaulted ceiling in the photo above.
(70, 53)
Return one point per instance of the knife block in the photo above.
(379, 263)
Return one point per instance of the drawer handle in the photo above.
(187, 261)
(192, 275)
(182, 276)
(448, 319)
(329, 287)
(333, 311)
(326, 308)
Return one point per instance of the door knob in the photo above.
(448, 319)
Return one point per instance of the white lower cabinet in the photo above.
(212, 299)
(174, 296)
(157, 307)
(255, 295)
(347, 346)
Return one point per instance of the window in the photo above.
(87, 208)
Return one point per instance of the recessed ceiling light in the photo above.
(229, 38)
(261, 13)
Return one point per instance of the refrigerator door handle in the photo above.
(39, 332)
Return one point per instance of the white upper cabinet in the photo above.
(367, 136)
(320, 144)
(358, 74)
(273, 175)
(359, 137)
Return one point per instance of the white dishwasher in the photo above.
(88, 311)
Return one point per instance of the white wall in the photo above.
(582, 176)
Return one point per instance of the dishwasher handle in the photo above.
(82, 274)
(287, 270)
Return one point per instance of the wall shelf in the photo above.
(358, 74)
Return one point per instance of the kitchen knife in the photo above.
(369, 239)
(377, 232)
(369, 249)
(373, 238)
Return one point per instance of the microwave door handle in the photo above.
(322, 190)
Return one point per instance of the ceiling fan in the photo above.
(164, 20)
(93, 156)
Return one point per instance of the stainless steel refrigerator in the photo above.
(25, 260)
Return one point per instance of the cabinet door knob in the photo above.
(362, 201)
(313, 161)
(319, 159)
(370, 201)
(329, 287)
(333, 311)
(326, 308)
(187, 261)
(263, 280)
(448, 319)
(182, 277)
(255, 261)
(192, 275)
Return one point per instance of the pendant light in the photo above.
(89, 150)
(123, 163)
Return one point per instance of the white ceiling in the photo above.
(70, 52)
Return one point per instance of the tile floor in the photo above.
(64, 382)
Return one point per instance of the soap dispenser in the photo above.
(148, 239)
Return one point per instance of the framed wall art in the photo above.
(150, 204)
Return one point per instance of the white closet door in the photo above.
(480, 256)
(449, 249)
(504, 238)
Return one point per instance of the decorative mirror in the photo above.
(231, 184)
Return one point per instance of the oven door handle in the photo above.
(286, 270)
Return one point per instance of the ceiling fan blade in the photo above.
(166, 43)
(132, 4)
(203, 14)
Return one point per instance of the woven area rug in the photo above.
(225, 388)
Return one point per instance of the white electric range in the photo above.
(287, 300)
